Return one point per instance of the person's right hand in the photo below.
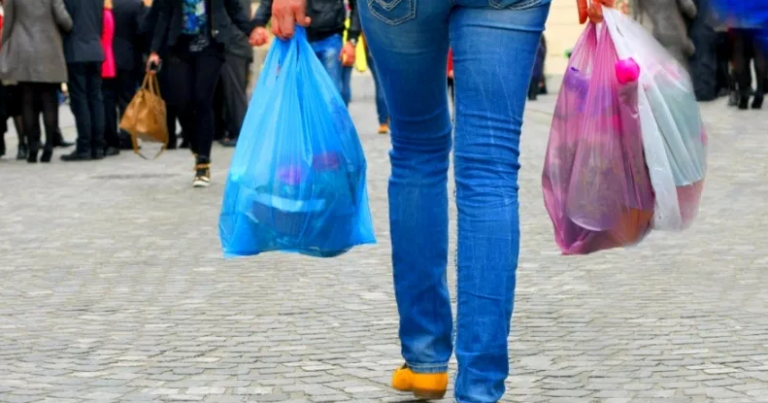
(153, 62)
(593, 11)
(259, 36)
(286, 14)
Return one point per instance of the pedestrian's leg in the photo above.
(346, 84)
(30, 118)
(207, 72)
(49, 103)
(741, 68)
(78, 101)
(409, 43)
(488, 121)
(96, 106)
(328, 51)
(381, 102)
(109, 91)
(234, 82)
(179, 82)
(761, 73)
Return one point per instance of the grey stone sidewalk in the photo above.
(114, 289)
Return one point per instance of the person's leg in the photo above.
(741, 66)
(109, 92)
(409, 44)
(761, 73)
(30, 118)
(381, 102)
(234, 80)
(346, 84)
(179, 81)
(127, 85)
(489, 114)
(328, 51)
(49, 104)
(219, 113)
(96, 106)
(207, 72)
(78, 101)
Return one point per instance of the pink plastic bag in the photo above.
(596, 185)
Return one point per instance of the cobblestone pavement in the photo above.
(114, 289)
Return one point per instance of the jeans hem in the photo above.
(428, 368)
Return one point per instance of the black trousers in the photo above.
(234, 83)
(193, 77)
(87, 103)
(745, 49)
(117, 93)
(37, 98)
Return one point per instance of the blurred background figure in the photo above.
(382, 111)
(537, 76)
(233, 101)
(127, 45)
(746, 51)
(109, 77)
(32, 55)
(85, 57)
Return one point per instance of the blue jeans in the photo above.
(381, 101)
(494, 44)
(328, 50)
(346, 84)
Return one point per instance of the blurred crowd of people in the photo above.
(95, 53)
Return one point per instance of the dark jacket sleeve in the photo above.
(240, 16)
(353, 33)
(162, 21)
(263, 14)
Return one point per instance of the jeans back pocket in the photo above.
(393, 12)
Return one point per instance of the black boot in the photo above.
(77, 156)
(2, 145)
(757, 102)
(22, 152)
(744, 100)
(59, 141)
(34, 147)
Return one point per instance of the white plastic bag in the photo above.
(674, 139)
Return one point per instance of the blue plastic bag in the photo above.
(297, 178)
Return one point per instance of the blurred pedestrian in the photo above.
(109, 78)
(195, 34)
(31, 55)
(381, 103)
(238, 55)
(85, 57)
(325, 33)
(119, 90)
(746, 50)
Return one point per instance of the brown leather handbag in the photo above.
(144, 118)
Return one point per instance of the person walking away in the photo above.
(238, 56)
(409, 41)
(118, 91)
(194, 32)
(324, 33)
(347, 62)
(84, 62)
(109, 77)
(31, 55)
(381, 103)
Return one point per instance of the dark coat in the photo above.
(239, 45)
(127, 44)
(83, 43)
(328, 18)
(224, 15)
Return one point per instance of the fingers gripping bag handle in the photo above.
(628, 41)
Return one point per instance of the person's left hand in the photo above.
(348, 55)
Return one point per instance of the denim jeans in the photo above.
(381, 101)
(494, 44)
(346, 84)
(328, 50)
